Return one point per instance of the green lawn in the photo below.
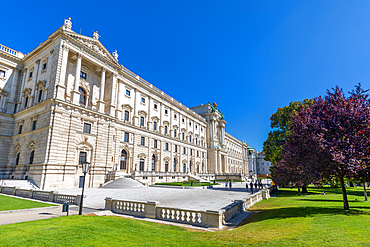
(287, 220)
(12, 203)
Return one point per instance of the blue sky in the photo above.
(250, 57)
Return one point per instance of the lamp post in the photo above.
(85, 169)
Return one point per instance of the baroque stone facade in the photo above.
(70, 101)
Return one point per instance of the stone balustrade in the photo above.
(209, 219)
(49, 196)
(11, 51)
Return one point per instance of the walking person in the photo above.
(251, 184)
(226, 185)
(256, 185)
(230, 185)
(246, 186)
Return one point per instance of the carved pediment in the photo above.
(94, 45)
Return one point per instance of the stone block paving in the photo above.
(196, 199)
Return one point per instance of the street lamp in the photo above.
(85, 169)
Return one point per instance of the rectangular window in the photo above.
(155, 126)
(201, 142)
(143, 141)
(174, 133)
(25, 102)
(128, 92)
(183, 136)
(191, 151)
(30, 74)
(87, 128)
(82, 158)
(166, 111)
(34, 124)
(165, 130)
(39, 97)
(202, 154)
(175, 116)
(166, 146)
(126, 137)
(155, 106)
(20, 129)
(175, 148)
(197, 153)
(184, 150)
(44, 66)
(141, 121)
(142, 100)
(155, 143)
(2, 73)
(126, 116)
(83, 75)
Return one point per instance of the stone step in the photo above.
(123, 183)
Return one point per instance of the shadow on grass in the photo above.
(324, 200)
(294, 212)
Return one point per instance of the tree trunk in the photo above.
(299, 191)
(365, 193)
(304, 189)
(344, 192)
(351, 184)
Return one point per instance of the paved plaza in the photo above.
(197, 198)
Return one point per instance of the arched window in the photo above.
(174, 165)
(32, 154)
(166, 166)
(39, 96)
(184, 168)
(141, 165)
(82, 96)
(141, 121)
(153, 162)
(123, 160)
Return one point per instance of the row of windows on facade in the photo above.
(142, 123)
(87, 129)
(44, 66)
(38, 100)
(30, 161)
(33, 127)
(155, 106)
(123, 163)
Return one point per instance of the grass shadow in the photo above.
(294, 212)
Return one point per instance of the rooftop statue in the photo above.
(67, 24)
(96, 35)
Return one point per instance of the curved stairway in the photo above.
(122, 183)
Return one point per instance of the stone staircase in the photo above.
(21, 184)
(122, 183)
(197, 178)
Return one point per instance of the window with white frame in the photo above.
(143, 141)
(87, 128)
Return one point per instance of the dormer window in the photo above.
(83, 75)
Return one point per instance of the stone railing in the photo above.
(11, 51)
(210, 219)
(49, 196)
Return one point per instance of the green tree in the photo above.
(280, 124)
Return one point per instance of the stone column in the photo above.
(11, 103)
(76, 93)
(134, 113)
(101, 103)
(112, 106)
(32, 98)
(23, 86)
(61, 87)
(219, 162)
(119, 104)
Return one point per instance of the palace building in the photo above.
(70, 101)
